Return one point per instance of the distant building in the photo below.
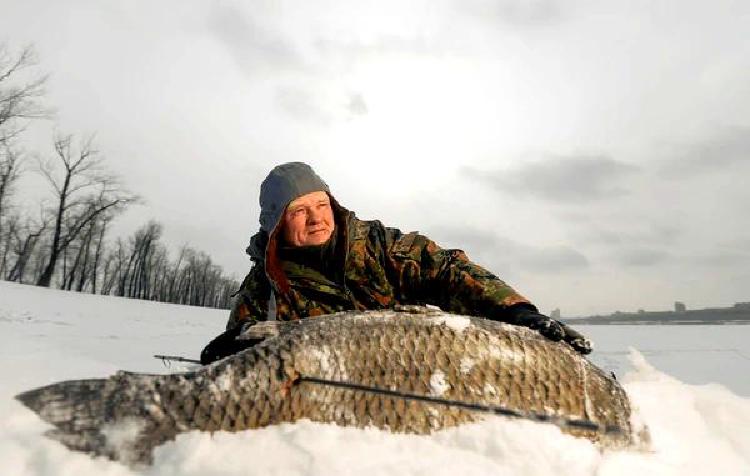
(555, 314)
(679, 306)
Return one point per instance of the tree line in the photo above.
(64, 242)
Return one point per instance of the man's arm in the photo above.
(251, 301)
(250, 306)
(448, 279)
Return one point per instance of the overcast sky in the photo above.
(594, 154)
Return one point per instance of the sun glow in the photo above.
(424, 118)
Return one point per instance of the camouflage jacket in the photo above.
(383, 267)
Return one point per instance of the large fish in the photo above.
(413, 370)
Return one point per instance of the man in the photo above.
(313, 257)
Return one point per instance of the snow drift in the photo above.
(48, 335)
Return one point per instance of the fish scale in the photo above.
(363, 369)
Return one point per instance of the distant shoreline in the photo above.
(738, 314)
(637, 322)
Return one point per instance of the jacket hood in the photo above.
(263, 247)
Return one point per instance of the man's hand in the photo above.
(527, 315)
(576, 340)
(549, 328)
(226, 344)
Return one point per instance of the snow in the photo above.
(467, 363)
(438, 385)
(688, 383)
(119, 435)
(457, 323)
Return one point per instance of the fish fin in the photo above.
(75, 408)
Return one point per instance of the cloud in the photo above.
(731, 252)
(301, 103)
(559, 179)
(501, 253)
(723, 258)
(739, 242)
(353, 50)
(725, 149)
(553, 259)
(478, 241)
(320, 106)
(261, 40)
(641, 256)
(514, 12)
(254, 47)
(630, 234)
(357, 105)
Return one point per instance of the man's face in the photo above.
(308, 220)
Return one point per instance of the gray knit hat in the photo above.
(282, 185)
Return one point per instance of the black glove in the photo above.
(226, 344)
(528, 316)
(576, 340)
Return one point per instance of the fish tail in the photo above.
(75, 408)
(96, 416)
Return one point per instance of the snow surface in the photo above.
(48, 336)
(438, 385)
(457, 323)
(692, 353)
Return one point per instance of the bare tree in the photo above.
(99, 250)
(83, 192)
(25, 240)
(79, 269)
(141, 269)
(21, 90)
(138, 279)
(20, 101)
(202, 283)
(9, 173)
(7, 236)
(113, 268)
(172, 275)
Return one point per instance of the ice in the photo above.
(692, 353)
(697, 428)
